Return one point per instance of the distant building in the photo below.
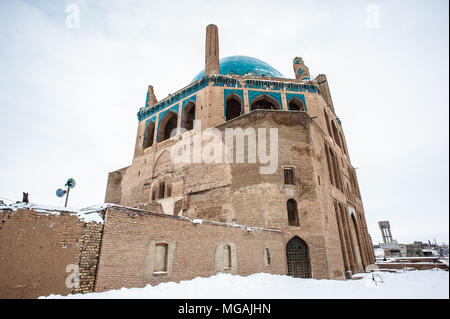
(389, 245)
(417, 249)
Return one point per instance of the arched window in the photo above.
(233, 107)
(330, 164)
(167, 126)
(336, 170)
(227, 257)
(188, 116)
(149, 134)
(327, 120)
(292, 213)
(333, 167)
(265, 102)
(296, 104)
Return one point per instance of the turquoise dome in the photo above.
(244, 65)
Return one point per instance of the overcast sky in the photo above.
(69, 96)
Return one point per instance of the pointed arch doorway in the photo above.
(297, 256)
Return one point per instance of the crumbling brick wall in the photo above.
(39, 250)
(88, 261)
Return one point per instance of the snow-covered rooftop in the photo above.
(88, 214)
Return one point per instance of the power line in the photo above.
(11, 200)
(16, 201)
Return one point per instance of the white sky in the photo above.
(69, 97)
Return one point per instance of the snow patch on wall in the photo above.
(168, 204)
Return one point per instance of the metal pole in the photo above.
(67, 196)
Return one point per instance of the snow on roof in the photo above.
(88, 214)
(92, 214)
(196, 221)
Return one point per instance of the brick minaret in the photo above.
(212, 50)
(151, 98)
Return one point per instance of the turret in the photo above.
(301, 70)
(151, 98)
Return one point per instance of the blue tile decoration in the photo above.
(244, 65)
(173, 108)
(254, 94)
(269, 85)
(301, 97)
(227, 92)
(224, 81)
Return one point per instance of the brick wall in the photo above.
(129, 235)
(36, 247)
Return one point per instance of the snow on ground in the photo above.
(444, 260)
(410, 285)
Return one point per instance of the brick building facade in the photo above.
(312, 196)
(176, 220)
